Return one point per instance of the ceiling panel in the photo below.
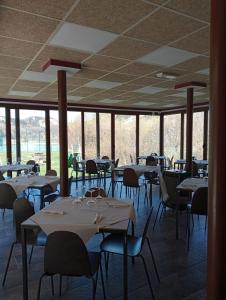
(13, 62)
(8, 72)
(117, 77)
(111, 15)
(194, 64)
(85, 91)
(105, 63)
(163, 27)
(138, 69)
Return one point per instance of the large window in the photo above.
(197, 136)
(125, 138)
(149, 134)
(105, 134)
(172, 130)
(2, 137)
(54, 138)
(13, 135)
(74, 133)
(90, 135)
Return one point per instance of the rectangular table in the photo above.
(200, 162)
(78, 216)
(192, 184)
(21, 183)
(15, 168)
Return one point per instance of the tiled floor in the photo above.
(182, 273)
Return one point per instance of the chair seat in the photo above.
(41, 238)
(114, 243)
(94, 258)
(181, 203)
(51, 197)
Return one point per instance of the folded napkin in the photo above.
(54, 212)
(118, 205)
(98, 218)
(99, 197)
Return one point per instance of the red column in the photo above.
(63, 138)
(137, 137)
(189, 129)
(48, 148)
(216, 289)
(112, 136)
(182, 137)
(161, 135)
(8, 135)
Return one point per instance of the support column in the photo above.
(137, 137)
(83, 134)
(63, 139)
(8, 135)
(48, 140)
(182, 137)
(112, 136)
(161, 135)
(189, 130)
(98, 133)
(205, 135)
(17, 128)
(216, 287)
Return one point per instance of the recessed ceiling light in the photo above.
(110, 101)
(74, 98)
(150, 90)
(167, 56)
(167, 75)
(204, 71)
(82, 38)
(38, 76)
(143, 103)
(101, 84)
(21, 93)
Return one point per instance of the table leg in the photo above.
(150, 194)
(41, 199)
(112, 184)
(125, 268)
(24, 263)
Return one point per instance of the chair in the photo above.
(131, 159)
(151, 161)
(105, 157)
(151, 178)
(169, 162)
(171, 198)
(30, 162)
(77, 167)
(199, 206)
(91, 169)
(117, 176)
(66, 254)
(131, 181)
(1, 177)
(114, 243)
(23, 209)
(95, 191)
(7, 196)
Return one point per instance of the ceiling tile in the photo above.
(197, 42)
(194, 64)
(150, 90)
(163, 27)
(73, 98)
(111, 15)
(76, 81)
(199, 9)
(160, 2)
(102, 84)
(50, 8)
(18, 48)
(8, 72)
(84, 91)
(7, 81)
(61, 54)
(23, 88)
(105, 63)
(124, 47)
(82, 38)
(29, 83)
(25, 26)
(21, 93)
(117, 77)
(204, 71)
(37, 76)
(138, 69)
(144, 81)
(13, 62)
(110, 101)
(167, 56)
(88, 73)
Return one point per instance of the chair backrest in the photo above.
(154, 154)
(172, 180)
(95, 192)
(199, 203)
(151, 161)
(70, 179)
(163, 188)
(91, 167)
(116, 163)
(7, 196)
(131, 158)
(30, 162)
(195, 170)
(170, 162)
(51, 173)
(130, 178)
(147, 224)
(66, 254)
(22, 210)
(1, 177)
(105, 157)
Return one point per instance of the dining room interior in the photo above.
(112, 149)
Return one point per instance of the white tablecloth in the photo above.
(15, 167)
(140, 169)
(192, 184)
(69, 214)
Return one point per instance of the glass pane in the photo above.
(13, 135)
(172, 129)
(185, 135)
(105, 135)
(197, 136)
(54, 140)
(125, 139)
(90, 135)
(2, 137)
(149, 134)
(32, 137)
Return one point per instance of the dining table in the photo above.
(191, 184)
(29, 181)
(86, 217)
(15, 168)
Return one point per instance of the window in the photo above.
(54, 140)
(197, 136)
(172, 130)
(105, 134)
(74, 133)
(2, 137)
(90, 135)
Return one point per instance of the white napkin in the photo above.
(54, 212)
(118, 205)
(98, 218)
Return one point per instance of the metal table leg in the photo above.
(24, 263)
(125, 268)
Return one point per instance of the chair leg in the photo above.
(7, 266)
(32, 248)
(52, 285)
(60, 285)
(177, 224)
(157, 215)
(39, 286)
(102, 279)
(94, 281)
(148, 277)
(205, 223)
(189, 231)
(153, 259)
